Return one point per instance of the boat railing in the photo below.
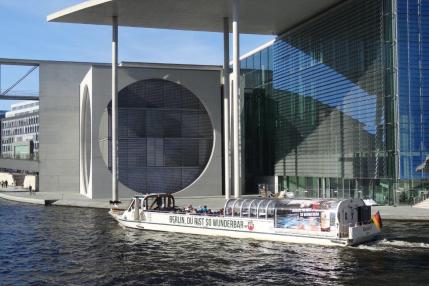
(171, 210)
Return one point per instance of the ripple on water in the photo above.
(76, 246)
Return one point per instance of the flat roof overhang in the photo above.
(267, 17)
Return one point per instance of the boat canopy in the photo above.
(252, 207)
(266, 208)
(160, 202)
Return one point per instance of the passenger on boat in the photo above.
(202, 210)
(190, 209)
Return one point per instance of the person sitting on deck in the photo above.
(189, 208)
(202, 210)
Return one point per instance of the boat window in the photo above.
(131, 206)
(170, 202)
(262, 208)
(245, 208)
(154, 203)
(254, 207)
(271, 207)
(364, 214)
(160, 202)
(228, 207)
(237, 207)
(150, 203)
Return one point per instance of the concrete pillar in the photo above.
(114, 110)
(323, 188)
(226, 136)
(236, 94)
(36, 183)
(137, 209)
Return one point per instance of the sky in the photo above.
(25, 34)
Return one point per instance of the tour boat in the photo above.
(316, 221)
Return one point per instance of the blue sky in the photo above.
(26, 34)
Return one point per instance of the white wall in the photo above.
(59, 125)
(7, 177)
(30, 180)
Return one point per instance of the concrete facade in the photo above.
(59, 125)
(62, 88)
(95, 89)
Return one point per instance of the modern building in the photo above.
(169, 122)
(2, 115)
(266, 17)
(20, 131)
(333, 107)
(169, 130)
(337, 105)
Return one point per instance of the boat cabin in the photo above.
(261, 208)
(323, 215)
(153, 202)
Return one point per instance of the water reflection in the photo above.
(72, 246)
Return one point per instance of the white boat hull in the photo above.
(242, 228)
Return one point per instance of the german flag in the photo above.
(376, 220)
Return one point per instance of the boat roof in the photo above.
(152, 194)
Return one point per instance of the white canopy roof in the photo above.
(256, 16)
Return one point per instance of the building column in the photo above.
(226, 120)
(323, 189)
(236, 94)
(114, 110)
(36, 183)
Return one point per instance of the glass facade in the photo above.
(413, 110)
(319, 109)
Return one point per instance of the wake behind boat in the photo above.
(321, 221)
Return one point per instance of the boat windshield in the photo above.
(158, 202)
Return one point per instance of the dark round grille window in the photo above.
(165, 136)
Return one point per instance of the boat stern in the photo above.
(363, 233)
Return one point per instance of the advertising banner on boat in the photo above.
(210, 222)
(309, 216)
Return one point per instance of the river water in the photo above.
(77, 246)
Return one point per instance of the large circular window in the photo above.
(165, 136)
